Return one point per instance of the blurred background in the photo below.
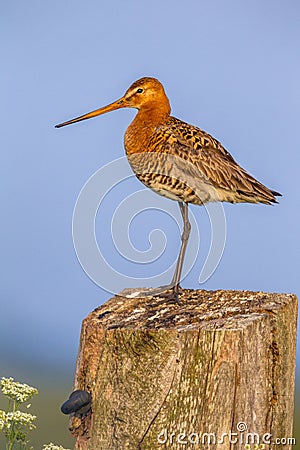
(232, 68)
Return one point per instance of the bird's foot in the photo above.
(168, 291)
(172, 293)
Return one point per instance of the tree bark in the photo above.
(215, 372)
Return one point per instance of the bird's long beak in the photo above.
(121, 103)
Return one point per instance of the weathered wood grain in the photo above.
(164, 376)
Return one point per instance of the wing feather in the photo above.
(212, 160)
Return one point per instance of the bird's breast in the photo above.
(138, 137)
(154, 156)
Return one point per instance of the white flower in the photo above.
(2, 419)
(4, 423)
(53, 447)
(20, 418)
(17, 391)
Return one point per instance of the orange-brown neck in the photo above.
(149, 117)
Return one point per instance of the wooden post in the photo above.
(218, 369)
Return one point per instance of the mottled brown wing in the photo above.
(213, 162)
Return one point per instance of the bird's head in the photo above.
(144, 94)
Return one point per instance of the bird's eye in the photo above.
(140, 91)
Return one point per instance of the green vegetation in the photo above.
(15, 425)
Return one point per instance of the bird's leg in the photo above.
(175, 283)
(184, 241)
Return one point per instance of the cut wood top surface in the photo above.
(198, 309)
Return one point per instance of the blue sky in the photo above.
(232, 68)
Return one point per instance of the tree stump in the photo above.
(216, 371)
